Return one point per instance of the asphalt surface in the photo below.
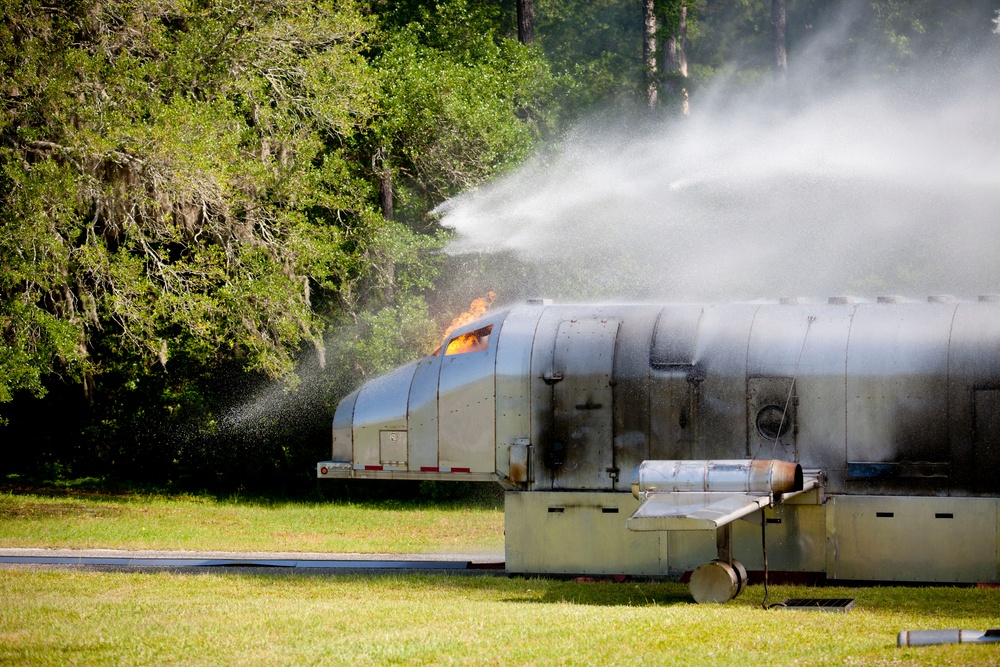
(287, 561)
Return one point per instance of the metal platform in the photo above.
(842, 605)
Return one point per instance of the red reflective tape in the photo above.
(429, 469)
(461, 470)
(373, 467)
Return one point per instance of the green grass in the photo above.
(60, 617)
(83, 520)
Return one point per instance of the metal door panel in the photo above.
(423, 414)
(569, 532)
(467, 404)
(771, 418)
(381, 406)
(973, 365)
(583, 362)
(898, 538)
(807, 343)
(673, 393)
(632, 390)
(720, 378)
(897, 366)
(513, 381)
(986, 440)
(541, 396)
(343, 429)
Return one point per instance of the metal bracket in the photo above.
(551, 377)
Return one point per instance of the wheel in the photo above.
(714, 582)
(741, 572)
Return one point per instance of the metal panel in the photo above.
(581, 533)
(467, 404)
(693, 511)
(513, 380)
(576, 533)
(986, 438)
(675, 341)
(423, 414)
(519, 461)
(771, 418)
(919, 539)
(720, 375)
(795, 536)
(973, 365)
(381, 405)
(343, 429)
(632, 389)
(392, 448)
(541, 396)
(673, 408)
(583, 362)
(807, 343)
(673, 396)
(897, 375)
(684, 550)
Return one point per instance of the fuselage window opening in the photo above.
(474, 341)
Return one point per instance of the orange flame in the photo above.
(476, 310)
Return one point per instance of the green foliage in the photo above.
(381, 340)
(173, 179)
(460, 104)
(192, 196)
(871, 37)
(595, 49)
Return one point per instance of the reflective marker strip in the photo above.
(422, 468)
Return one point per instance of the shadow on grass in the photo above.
(955, 602)
(613, 594)
(378, 494)
(504, 588)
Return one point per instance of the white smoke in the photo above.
(859, 187)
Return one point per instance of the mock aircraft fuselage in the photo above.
(893, 407)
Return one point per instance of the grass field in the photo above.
(53, 616)
(70, 617)
(87, 520)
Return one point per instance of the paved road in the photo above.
(297, 560)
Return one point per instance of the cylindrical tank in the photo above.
(933, 637)
(730, 476)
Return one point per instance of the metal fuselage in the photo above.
(897, 405)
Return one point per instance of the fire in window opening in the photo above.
(474, 341)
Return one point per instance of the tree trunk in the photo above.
(780, 65)
(384, 172)
(675, 63)
(649, 51)
(526, 21)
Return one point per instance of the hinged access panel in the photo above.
(582, 452)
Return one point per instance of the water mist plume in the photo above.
(856, 187)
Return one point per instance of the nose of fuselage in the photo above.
(369, 426)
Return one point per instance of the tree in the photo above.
(649, 51)
(460, 104)
(526, 21)
(594, 50)
(173, 182)
(778, 22)
(675, 62)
